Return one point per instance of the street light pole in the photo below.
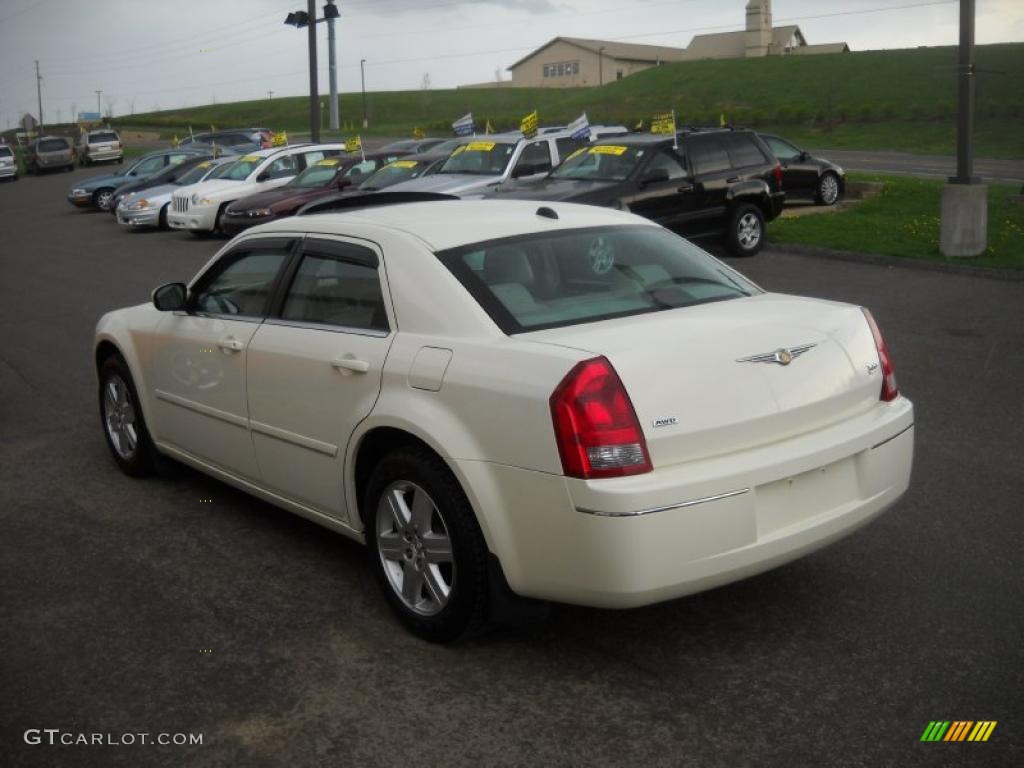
(333, 68)
(98, 102)
(314, 94)
(39, 93)
(362, 77)
(966, 87)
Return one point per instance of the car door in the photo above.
(198, 370)
(712, 175)
(799, 174)
(534, 160)
(666, 201)
(314, 370)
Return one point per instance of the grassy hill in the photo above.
(899, 99)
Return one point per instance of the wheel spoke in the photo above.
(390, 546)
(422, 510)
(398, 508)
(437, 548)
(128, 433)
(435, 585)
(412, 585)
(111, 394)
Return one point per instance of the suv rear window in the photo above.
(568, 277)
(96, 138)
(53, 145)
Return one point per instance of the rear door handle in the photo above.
(231, 344)
(350, 364)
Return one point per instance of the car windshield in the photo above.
(601, 162)
(220, 170)
(320, 174)
(392, 173)
(95, 138)
(52, 145)
(483, 158)
(196, 173)
(241, 168)
(568, 277)
(448, 145)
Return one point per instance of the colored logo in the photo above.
(958, 730)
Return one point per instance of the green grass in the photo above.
(898, 99)
(903, 220)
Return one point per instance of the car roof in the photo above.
(637, 139)
(450, 223)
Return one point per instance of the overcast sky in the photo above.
(146, 54)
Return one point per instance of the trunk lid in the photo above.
(696, 392)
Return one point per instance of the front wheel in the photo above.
(828, 189)
(426, 547)
(102, 198)
(746, 230)
(121, 415)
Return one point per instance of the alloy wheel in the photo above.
(415, 548)
(748, 231)
(119, 417)
(829, 189)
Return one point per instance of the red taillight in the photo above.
(889, 388)
(596, 427)
(777, 175)
(120, 145)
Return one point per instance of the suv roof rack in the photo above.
(708, 128)
(370, 200)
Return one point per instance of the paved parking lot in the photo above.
(134, 607)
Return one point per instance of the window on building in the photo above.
(575, 67)
(618, 74)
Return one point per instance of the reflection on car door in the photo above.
(665, 202)
(200, 357)
(314, 370)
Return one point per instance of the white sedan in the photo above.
(507, 401)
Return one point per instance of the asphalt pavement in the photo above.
(179, 605)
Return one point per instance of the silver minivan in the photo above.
(99, 145)
(49, 153)
(8, 163)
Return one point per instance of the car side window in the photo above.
(361, 169)
(178, 159)
(241, 281)
(744, 150)
(283, 167)
(666, 160)
(536, 158)
(567, 145)
(152, 165)
(782, 149)
(337, 284)
(708, 155)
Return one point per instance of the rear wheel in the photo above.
(102, 198)
(828, 189)
(121, 415)
(746, 230)
(426, 547)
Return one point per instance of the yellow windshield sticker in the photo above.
(607, 150)
(480, 146)
(207, 164)
(328, 161)
(403, 164)
(251, 159)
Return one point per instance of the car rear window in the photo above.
(568, 277)
(101, 136)
(53, 145)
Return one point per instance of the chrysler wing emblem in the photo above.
(782, 356)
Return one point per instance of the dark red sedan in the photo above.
(322, 178)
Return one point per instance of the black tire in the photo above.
(218, 223)
(746, 230)
(102, 192)
(162, 218)
(827, 192)
(466, 609)
(137, 461)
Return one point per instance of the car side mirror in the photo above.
(654, 176)
(170, 297)
(804, 157)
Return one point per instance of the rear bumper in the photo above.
(99, 157)
(633, 541)
(776, 202)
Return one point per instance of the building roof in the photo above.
(728, 45)
(614, 50)
(823, 48)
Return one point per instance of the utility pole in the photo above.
(270, 95)
(39, 93)
(314, 93)
(333, 69)
(964, 226)
(600, 65)
(362, 78)
(98, 102)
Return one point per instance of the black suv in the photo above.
(704, 183)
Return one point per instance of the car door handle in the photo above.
(350, 364)
(231, 344)
(733, 180)
(685, 188)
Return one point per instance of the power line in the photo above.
(23, 10)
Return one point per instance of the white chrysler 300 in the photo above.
(504, 399)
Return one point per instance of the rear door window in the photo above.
(708, 155)
(743, 150)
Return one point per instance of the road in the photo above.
(1004, 171)
(132, 606)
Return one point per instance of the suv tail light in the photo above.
(120, 145)
(889, 388)
(596, 427)
(777, 175)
